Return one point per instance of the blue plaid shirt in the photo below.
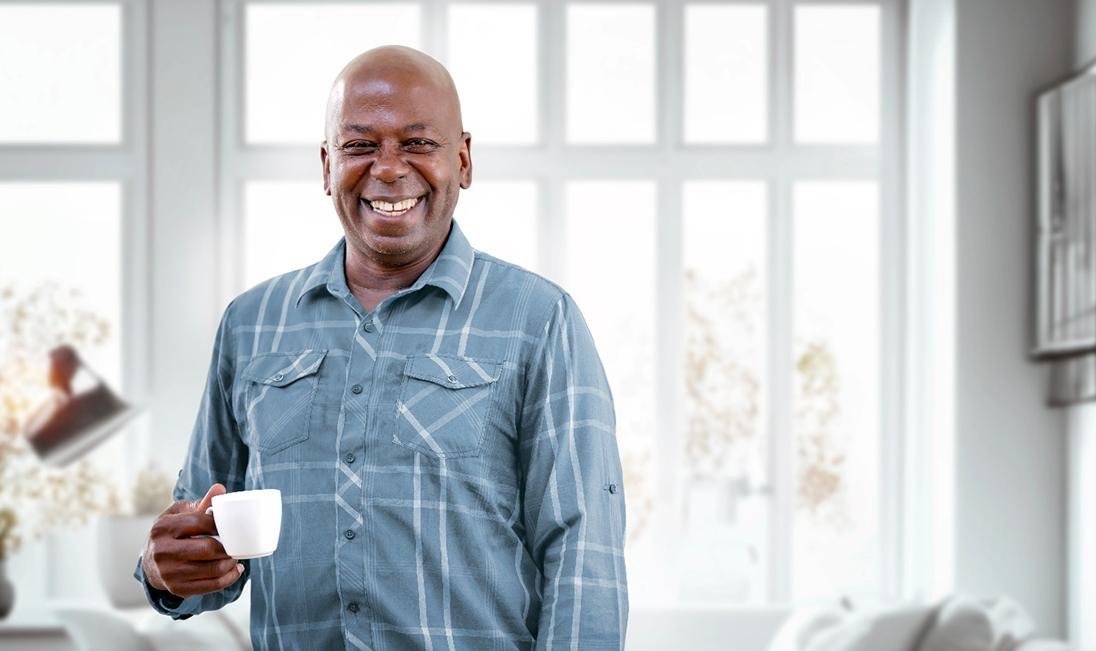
(448, 465)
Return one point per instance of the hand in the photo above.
(185, 566)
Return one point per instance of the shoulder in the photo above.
(268, 297)
(549, 309)
(542, 295)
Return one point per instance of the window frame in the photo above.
(126, 163)
(669, 162)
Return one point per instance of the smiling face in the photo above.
(395, 158)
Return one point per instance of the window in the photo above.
(71, 182)
(712, 181)
(56, 57)
(72, 250)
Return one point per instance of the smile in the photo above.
(389, 209)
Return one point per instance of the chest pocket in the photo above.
(445, 404)
(280, 393)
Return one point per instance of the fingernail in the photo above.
(240, 568)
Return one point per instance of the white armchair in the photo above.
(95, 627)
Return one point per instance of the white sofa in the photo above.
(954, 624)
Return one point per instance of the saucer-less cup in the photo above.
(248, 522)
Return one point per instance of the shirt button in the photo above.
(278, 377)
(357, 388)
(352, 606)
(367, 326)
(349, 458)
(452, 378)
(349, 534)
(612, 488)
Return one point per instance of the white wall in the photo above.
(1010, 448)
(1082, 438)
(184, 219)
(1084, 50)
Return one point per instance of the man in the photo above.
(437, 420)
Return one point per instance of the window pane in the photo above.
(500, 218)
(726, 541)
(79, 253)
(287, 225)
(610, 73)
(837, 74)
(295, 50)
(54, 58)
(610, 269)
(725, 74)
(836, 524)
(495, 112)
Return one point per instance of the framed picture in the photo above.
(1066, 228)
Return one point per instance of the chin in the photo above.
(387, 245)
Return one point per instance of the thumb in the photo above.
(207, 501)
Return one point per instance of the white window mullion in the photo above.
(552, 100)
(136, 377)
(778, 373)
(668, 311)
(435, 29)
(893, 264)
(231, 77)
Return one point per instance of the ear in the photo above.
(325, 161)
(466, 160)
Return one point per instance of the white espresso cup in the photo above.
(248, 522)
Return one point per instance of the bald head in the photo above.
(395, 157)
(390, 69)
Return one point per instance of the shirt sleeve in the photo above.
(573, 500)
(216, 453)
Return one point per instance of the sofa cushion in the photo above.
(886, 629)
(968, 624)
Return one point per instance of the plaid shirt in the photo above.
(448, 466)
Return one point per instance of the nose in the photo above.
(388, 166)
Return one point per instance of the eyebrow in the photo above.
(365, 128)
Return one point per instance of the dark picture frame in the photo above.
(1065, 276)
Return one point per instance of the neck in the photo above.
(371, 279)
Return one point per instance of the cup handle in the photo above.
(209, 511)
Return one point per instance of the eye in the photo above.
(359, 146)
(420, 145)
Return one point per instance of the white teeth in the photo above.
(393, 209)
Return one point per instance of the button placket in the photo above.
(350, 538)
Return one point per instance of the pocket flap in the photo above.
(451, 371)
(280, 369)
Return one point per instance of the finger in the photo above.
(182, 506)
(171, 553)
(190, 588)
(204, 570)
(187, 525)
(199, 550)
(207, 501)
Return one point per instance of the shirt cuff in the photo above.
(163, 601)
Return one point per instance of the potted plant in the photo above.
(122, 534)
(36, 499)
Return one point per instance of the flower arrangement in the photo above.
(34, 498)
(152, 491)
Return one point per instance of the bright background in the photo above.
(771, 281)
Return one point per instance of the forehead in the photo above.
(388, 102)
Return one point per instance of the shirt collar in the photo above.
(450, 270)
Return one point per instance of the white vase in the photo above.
(121, 539)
